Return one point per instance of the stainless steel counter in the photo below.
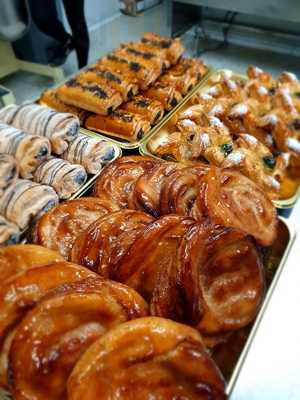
(272, 367)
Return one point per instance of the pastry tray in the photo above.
(212, 77)
(125, 144)
(274, 259)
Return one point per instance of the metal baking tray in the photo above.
(125, 144)
(274, 259)
(213, 77)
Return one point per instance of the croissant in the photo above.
(65, 178)
(9, 233)
(117, 180)
(26, 200)
(90, 96)
(104, 242)
(9, 171)
(147, 358)
(59, 227)
(29, 150)
(173, 47)
(76, 316)
(50, 98)
(59, 128)
(19, 258)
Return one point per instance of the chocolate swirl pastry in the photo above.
(26, 200)
(91, 153)
(147, 358)
(59, 227)
(59, 128)
(9, 171)
(76, 315)
(64, 177)
(29, 150)
(9, 233)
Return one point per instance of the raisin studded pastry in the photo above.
(79, 313)
(172, 47)
(130, 69)
(90, 96)
(59, 227)
(91, 153)
(9, 171)
(50, 98)
(148, 53)
(147, 358)
(103, 77)
(64, 177)
(29, 150)
(59, 128)
(162, 92)
(21, 257)
(121, 124)
(152, 110)
(26, 200)
(9, 234)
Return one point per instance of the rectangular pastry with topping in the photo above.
(121, 124)
(167, 95)
(172, 47)
(152, 110)
(90, 96)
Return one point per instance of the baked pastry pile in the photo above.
(129, 90)
(81, 335)
(249, 125)
(25, 151)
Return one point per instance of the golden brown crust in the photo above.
(152, 110)
(148, 357)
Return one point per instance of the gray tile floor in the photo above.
(28, 86)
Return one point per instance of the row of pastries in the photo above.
(136, 286)
(249, 125)
(128, 91)
(43, 159)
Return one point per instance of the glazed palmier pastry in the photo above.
(104, 78)
(150, 265)
(151, 110)
(29, 150)
(119, 123)
(233, 200)
(90, 96)
(50, 98)
(91, 153)
(9, 233)
(42, 279)
(79, 313)
(117, 180)
(64, 177)
(59, 227)
(9, 171)
(21, 257)
(26, 200)
(103, 244)
(59, 128)
(133, 70)
(173, 47)
(167, 95)
(219, 268)
(147, 358)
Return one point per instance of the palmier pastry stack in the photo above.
(58, 329)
